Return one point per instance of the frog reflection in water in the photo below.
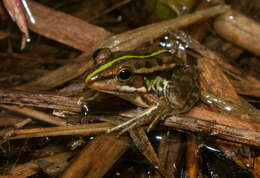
(153, 79)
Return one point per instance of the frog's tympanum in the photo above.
(154, 79)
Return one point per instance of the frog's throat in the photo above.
(105, 66)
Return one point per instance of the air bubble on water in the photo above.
(184, 8)
(162, 44)
(158, 137)
(181, 47)
(169, 45)
(28, 40)
(174, 166)
(231, 17)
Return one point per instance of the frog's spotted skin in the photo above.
(154, 79)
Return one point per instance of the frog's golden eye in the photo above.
(101, 55)
(124, 74)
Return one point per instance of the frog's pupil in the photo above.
(125, 74)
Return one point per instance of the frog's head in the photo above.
(121, 72)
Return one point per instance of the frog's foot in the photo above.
(145, 116)
(138, 119)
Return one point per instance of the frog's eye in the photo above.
(101, 55)
(124, 74)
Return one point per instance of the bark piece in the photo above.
(240, 30)
(213, 80)
(30, 168)
(97, 157)
(218, 125)
(171, 151)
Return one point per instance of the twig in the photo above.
(198, 120)
(240, 30)
(43, 100)
(36, 114)
(89, 129)
(131, 39)
(192, 156)
(59, 76)
(204, 51)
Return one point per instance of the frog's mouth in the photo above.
(115, 88)
(126, 92)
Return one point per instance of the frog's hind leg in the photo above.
(155, 121)
(145, 116)
(143, 144)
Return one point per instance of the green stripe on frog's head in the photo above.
(107, 65)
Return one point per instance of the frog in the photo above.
(154, 79)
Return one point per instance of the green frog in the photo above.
(155, 79)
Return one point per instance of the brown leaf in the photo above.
(16, 11)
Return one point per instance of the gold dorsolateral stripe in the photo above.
(105, 66)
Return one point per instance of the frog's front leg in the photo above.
(143, 117)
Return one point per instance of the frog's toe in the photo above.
(139, 119)
(127, 128)
(162, 116)
(153, 124)
(127, 115)
(116, 128)
(125, 125)
(133, 125)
